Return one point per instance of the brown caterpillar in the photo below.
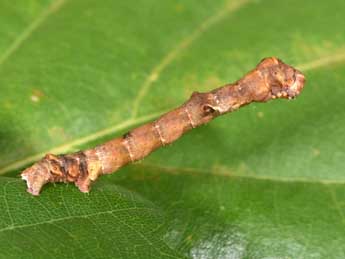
(269, 80)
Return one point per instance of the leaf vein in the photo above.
(225, 173)
(52, 221)
(224, 11)
(17, 43)
(334, 58)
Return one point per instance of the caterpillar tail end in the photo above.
(36, 176)
(61, 168)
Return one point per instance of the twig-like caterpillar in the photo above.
(269, 80)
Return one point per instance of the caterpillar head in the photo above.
(282, 80)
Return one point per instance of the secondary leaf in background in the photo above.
(64, 223)
(78, 74)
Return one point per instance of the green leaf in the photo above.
(264, 182)
(66, 223)
(221, 216)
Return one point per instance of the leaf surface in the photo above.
(264, 182)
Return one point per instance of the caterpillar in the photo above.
(271, 79)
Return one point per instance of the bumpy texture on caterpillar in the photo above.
(269, 80)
